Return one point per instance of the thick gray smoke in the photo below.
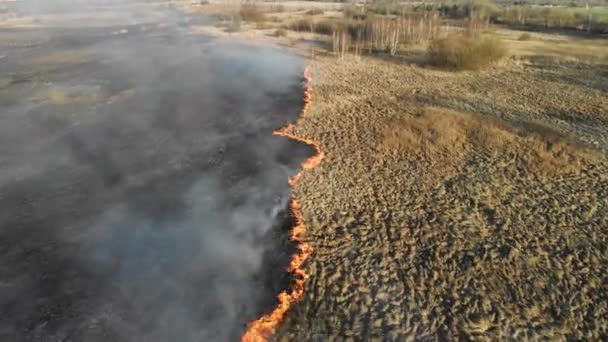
(143, 195)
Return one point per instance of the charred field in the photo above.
(143, 193)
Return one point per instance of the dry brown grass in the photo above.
(438, 224)
(557, 47)
(439, 134)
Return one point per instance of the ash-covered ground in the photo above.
(143, 194)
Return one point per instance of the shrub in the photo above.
(250, 12)
(280, 33)
(462, 52)
(234, 25)
(263, 25)
(301, 25)
(315, 11)
(524, 36)
(354, 28)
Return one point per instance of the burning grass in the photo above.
(261, 329)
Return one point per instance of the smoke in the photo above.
(147, 201)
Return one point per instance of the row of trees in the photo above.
(588, 18)
(385, 34)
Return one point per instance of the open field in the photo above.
(430, 219)
(458, 205)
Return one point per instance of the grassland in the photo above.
(452, 204)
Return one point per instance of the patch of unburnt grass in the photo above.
(524, 36)
(438, 134)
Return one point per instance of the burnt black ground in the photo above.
(148, 202)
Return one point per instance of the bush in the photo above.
(315, 11)
(326, 26)
(301, 25)
(463, 52)
(234, 25)
(329, 26)
(280, 33)
(250, 12)
(350, 10)
(525, 36)
(307, 25)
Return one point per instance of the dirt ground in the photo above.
(456, 205)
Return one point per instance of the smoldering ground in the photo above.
(143, 194)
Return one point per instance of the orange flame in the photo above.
(261, 329)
